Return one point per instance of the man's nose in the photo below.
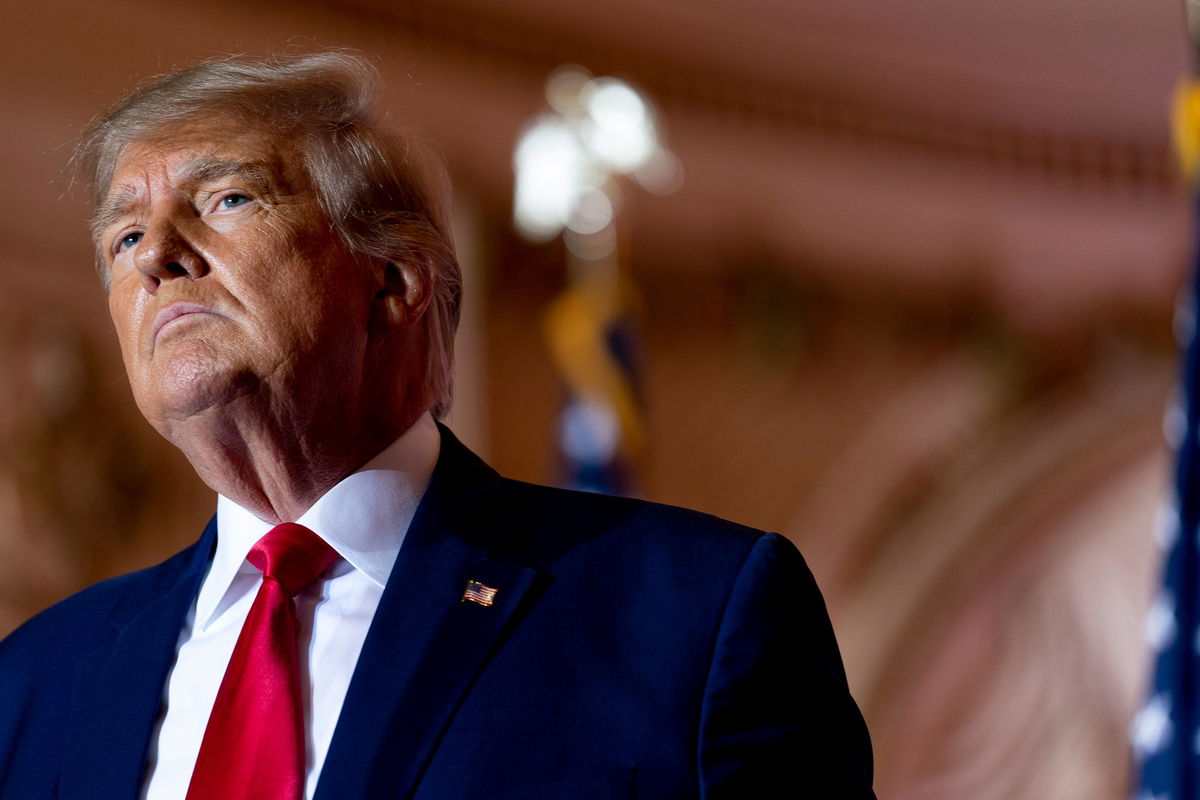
(164, 254)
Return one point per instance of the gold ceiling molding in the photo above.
(494, 39)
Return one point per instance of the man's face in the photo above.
(226, 278)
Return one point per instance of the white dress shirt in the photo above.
(364, 518)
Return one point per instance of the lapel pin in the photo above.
(479, 593)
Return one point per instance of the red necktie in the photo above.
(253, 747)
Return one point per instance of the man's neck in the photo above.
(276, 471)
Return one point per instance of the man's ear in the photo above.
(404, 295)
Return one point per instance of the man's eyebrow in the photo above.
(259, 176)
(115, 205)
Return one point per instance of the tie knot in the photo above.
(292, 555)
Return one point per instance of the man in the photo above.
(283, 286)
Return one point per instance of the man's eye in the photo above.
(234, 200)
(129, 240)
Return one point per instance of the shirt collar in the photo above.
(364, 517)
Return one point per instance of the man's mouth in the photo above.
(174, 312)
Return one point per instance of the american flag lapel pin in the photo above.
(479, 593)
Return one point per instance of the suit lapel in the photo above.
(426, 643)
(118, 687)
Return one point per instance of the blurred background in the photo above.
(905, 298)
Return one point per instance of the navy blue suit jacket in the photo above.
(633, 650)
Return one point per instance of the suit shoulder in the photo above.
(84, 619)
(513, 518)
(583, 521)
(572, 503)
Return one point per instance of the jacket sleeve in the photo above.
(777, 711)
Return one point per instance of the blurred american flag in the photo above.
(1165, 732)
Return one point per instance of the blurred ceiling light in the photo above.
(591, 211)
(550, 167)
(566, 87)
(661, 173)
(592, 246)
(566, 158)
(618, 131)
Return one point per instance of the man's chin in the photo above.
(188, 388)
